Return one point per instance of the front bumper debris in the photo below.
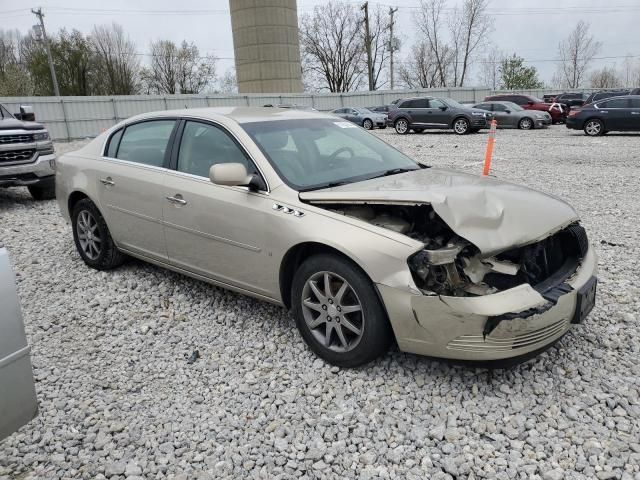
(455, 327)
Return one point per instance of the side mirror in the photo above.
(26, 114)
(529, 102)
(507, 111)
(235, 175)
(443, 108)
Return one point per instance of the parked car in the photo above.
(18, 403)
(549, 97)
(381, 108)
(363, 244)
(557, 111)
(510, 115)
(571, 99)
(421, 113)
(27, 158)
(602, 94)
(362, 116)
(611, 114)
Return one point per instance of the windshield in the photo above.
(318, 153)
(514, 107)
(362, 110)
(4, 113)
(453, 103)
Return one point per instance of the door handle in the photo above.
(177, 199)
(107, 181)
(635, 113)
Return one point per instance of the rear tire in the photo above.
(92, 238)
(367, 124)
(402, 126)
(355, 337)
(594, 127)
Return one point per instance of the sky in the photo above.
(530, 28)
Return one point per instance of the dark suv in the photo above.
(419, 114)
(571, 99)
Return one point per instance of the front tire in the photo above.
(461, 126)
(402, 126)
(338, 312)
(525, 123)
(367, 124)
(92, 238)
(594, 127)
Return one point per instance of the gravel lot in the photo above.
(118, 398)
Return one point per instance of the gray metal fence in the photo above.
(69, 118)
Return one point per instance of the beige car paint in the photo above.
(235, 238)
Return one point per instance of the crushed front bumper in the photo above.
(454, 327)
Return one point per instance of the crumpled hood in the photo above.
(492, 214)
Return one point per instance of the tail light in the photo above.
(573, 113)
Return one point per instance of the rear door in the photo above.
(419, 112)
(130, 180)
(634, 119)
(616, 113)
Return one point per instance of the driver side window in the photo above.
(435, 103)
(203, 145)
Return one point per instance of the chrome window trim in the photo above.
(201, 179)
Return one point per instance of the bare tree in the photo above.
(332, 48)
(454, 44)
(380, 42)
(116, 61)
(419, 70)
(180, 69)
(606, 77)
(489, 75)
(227, 82)
(576, 53)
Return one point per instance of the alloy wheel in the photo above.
(402, 126)
(593, 127)
(332, 311)
(461, 126)
(526, 124)
(368, 125)
(89, 235)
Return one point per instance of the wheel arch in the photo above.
(458, 117)
(296, 255)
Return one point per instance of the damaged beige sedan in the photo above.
(363, 244)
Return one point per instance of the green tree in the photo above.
(514, 75)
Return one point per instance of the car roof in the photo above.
(237, 114)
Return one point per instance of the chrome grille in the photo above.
(491, 343)
(16, 155)
(22, 138)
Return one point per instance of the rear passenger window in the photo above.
(146, 142)
(615, 103)
(112, 148)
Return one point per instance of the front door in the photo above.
(130, 186)
(437, 114)
(616, 113)
(213, 230)
(634, 114)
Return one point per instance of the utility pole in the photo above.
(38, 13)
(367, 39)
(392, 43)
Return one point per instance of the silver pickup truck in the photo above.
(18, 402)
(27, 157)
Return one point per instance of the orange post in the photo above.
(489, 152)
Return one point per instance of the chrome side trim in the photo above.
(17, 355)
(213, 237)
(134, 214)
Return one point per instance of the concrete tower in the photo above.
(266, 46)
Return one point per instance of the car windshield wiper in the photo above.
(394, 171)
(325, 185)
